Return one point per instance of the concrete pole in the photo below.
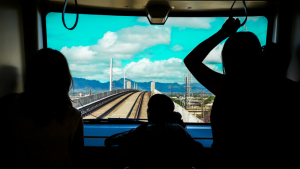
(124, 78)
(111, 67)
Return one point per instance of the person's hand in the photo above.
(230, 26)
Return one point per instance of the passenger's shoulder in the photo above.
(177, 128)
(73, 112)
(176, 125)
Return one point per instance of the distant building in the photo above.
(152, 86)
(80, 94)
(209, 104)
(128, 85)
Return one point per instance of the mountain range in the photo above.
(82, 85)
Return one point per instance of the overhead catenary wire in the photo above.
(63, 15)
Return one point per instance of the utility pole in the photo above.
(185, 92)
(202, 103)
(111, 68)
(189, 87)
(113, 86)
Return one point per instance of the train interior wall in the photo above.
(11, 48)
(294, 67)
(20, 34)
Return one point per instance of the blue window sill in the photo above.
(95, 134)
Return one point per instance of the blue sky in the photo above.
(146, 52)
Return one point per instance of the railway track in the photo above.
(131, 105)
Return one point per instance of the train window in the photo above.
(140, 59)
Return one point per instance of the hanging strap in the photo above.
(63, 15)
(245, 7)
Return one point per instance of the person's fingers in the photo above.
(237, 22)
(230, 19)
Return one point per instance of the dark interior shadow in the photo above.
(298, 63)
(8, 79)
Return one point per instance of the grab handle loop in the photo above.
(245, 7)
(63, 15)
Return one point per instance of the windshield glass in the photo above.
(119, 62)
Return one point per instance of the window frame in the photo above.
(268, 13)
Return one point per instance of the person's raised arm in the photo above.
(210, 79)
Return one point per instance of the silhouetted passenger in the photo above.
(284, 96)
(162, 142)
(234, 88)
(241, 117)
(44, 130)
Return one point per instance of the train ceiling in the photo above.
(179, 5)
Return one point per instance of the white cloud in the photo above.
(91, 62)
(133, 39)
(79, 54)
(83, 70)
(176, 48)
(122, 44)
(215, 55)
(214, 67)
(95, 72)
(253, 18)
(162, 71)
(184, 22)
(117, 63)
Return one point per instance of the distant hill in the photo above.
(82, 85)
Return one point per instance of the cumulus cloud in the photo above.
(214, 67)
(162, 71)
(254, 18)
(176, 48)
(85, 70)
(95, 71)
(117, 63)
(91, 62)
(215, 55)
(183, 22)
(122, 44)
(79, 54)
(133, 39)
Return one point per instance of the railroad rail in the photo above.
(87, 110)
(128, 115)
(112, 108)
(137, 115)
(127, 105)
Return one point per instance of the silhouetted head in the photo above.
(242, 54)
(278, 59)
(160, 108)
(49, 77)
